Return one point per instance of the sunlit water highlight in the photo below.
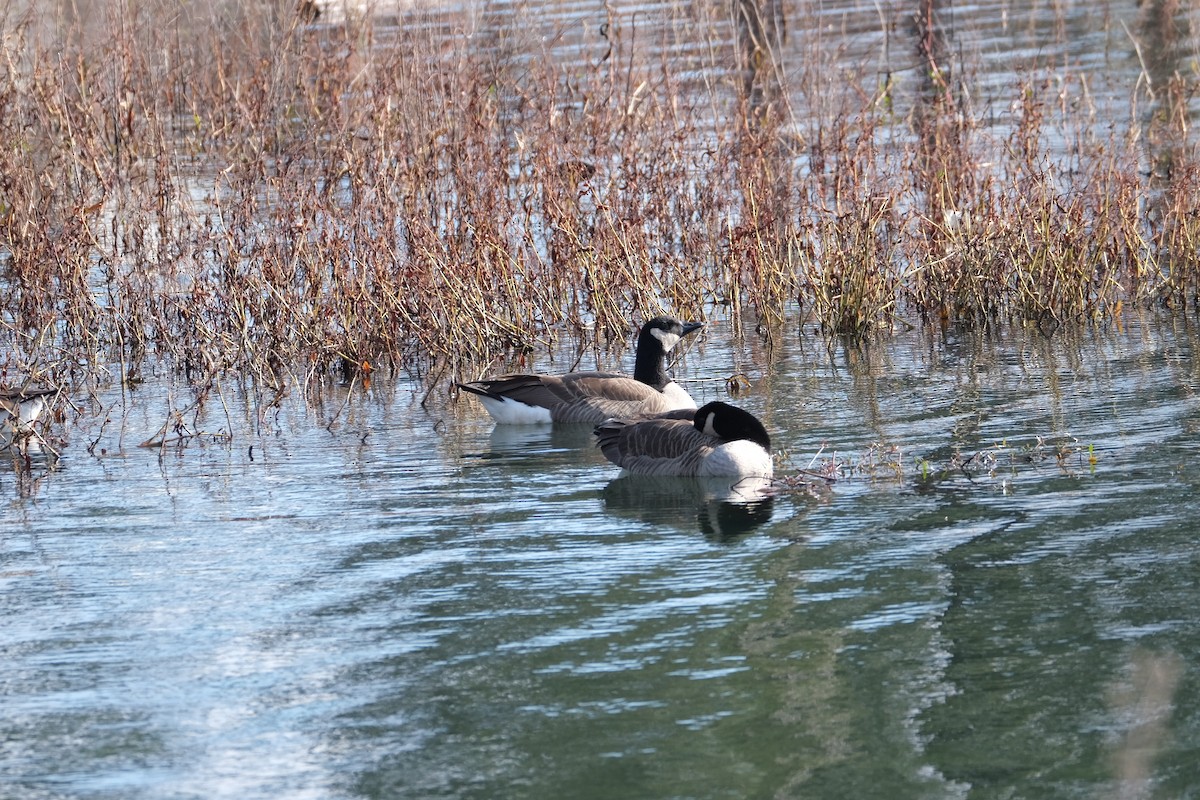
(368, 598)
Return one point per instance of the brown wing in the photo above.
(662, 445)
(589, 397)
(535, 390)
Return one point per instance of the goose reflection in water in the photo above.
(535, 441)
(724, 508)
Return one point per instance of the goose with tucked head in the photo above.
(19, 410)
(718, 440)
(592, 397)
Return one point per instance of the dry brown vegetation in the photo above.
(229, 188)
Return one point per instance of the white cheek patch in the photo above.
(668, 339)
(708, 425)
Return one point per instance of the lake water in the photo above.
(356, 596)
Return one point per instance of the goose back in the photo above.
(577, 397)
(592, 397)
(716, 440)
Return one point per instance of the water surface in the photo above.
(353, 595)
(361, 597)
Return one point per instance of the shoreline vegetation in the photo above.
(239, 188)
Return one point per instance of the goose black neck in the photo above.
(651, 365)
(732, 423)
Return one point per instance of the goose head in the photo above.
(667, 331)
(658, 337)
(730, 424)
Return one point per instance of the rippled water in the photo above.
(353, 595)
(365, 598)
(1093, 66)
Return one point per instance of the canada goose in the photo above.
(593, 397)
(19, 409)
(717, 440)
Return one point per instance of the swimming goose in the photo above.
(19, 409)
(593, 397)
(717, 440)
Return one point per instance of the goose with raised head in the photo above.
(592, 397)
(717, 440)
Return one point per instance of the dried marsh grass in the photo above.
(232, 188)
